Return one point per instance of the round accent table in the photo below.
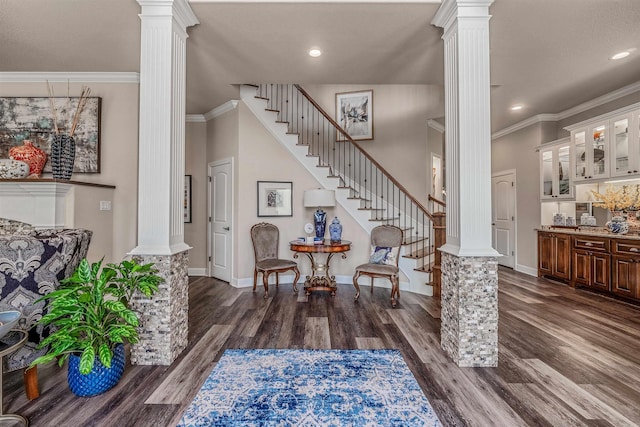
(320, 279)
(16, 339)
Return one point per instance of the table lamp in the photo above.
(319, 198)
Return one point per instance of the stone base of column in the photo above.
(469, 310)
(163, 317)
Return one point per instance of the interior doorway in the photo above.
(436, 177)
(503, 216)
(220, 215)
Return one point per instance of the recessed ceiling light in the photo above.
(621, 55)
(315, 53)
(516, 108)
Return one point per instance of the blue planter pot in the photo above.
(100, 379)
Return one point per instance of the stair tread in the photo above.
(420, 253)
(270, 109)
(414, 239)
(252, 85)
(370, 209)
(424, 268)
(280, 121)
(261, 97)
(356, 198)
(385, 218)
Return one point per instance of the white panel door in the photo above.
(503, 217)
(220, 220)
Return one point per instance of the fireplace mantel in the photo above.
(43, 203)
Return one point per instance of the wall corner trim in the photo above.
(435, 125)
(195, 118)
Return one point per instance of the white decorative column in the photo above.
(469, 328)
(163, 334)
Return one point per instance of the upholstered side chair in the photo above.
(385, 251)
(265, 238)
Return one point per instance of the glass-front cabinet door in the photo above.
(555, 171)
(598, 151)
(590, 148)
(624, 154)
(580, 150)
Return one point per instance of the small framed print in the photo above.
(354, 113)
(187, 198)
(275, 198)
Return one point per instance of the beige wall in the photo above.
(517, 151)
(262, 158)
(196, 166)
(118, 154)
(400, 114)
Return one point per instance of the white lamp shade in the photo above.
(319, 198)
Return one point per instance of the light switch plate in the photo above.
(105, 205)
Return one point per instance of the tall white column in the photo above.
(469, 330)
(161, 151)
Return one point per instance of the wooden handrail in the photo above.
(440, 202)
(363, 152)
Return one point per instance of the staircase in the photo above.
(363, 187)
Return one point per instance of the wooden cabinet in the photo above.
(625, 268)
(606, 264)
(591, 262)
(555, 171)
(554, 258)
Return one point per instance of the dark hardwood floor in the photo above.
(567, 357)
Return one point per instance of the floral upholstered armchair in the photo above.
(32, 263)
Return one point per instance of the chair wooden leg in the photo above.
(255, 278)
(355, 285)
(295, 279)
(394, 290)
(265, 282)
(277, 280)
(372, 284)
(31, 383)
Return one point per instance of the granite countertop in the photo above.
(591, 231)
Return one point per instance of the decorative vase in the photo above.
(320, 223)
(13, 169)
(618, 225)
(100, 379)
(31, 155)
(335, 230)
(63, 155)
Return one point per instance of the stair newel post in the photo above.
(439, 239)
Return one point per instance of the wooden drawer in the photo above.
(626, 247)
(596, 244)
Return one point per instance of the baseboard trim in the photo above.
(527, 270)
(197, 272)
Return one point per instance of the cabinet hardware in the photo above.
(225, 228)
(633, 250)
(588, 244)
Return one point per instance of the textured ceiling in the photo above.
(546, 54)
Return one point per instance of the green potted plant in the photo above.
(90, 319)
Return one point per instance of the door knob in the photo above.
(225, 228)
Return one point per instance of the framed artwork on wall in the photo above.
(275, 198)
(30, 118)
(187, 198)
(354, 113)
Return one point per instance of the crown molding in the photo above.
(525, 123)
(435, 125)
(195, 118)
(601, 100)
(580, 108)
(84, 77)
(221, 109)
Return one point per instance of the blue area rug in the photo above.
(310, 388)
